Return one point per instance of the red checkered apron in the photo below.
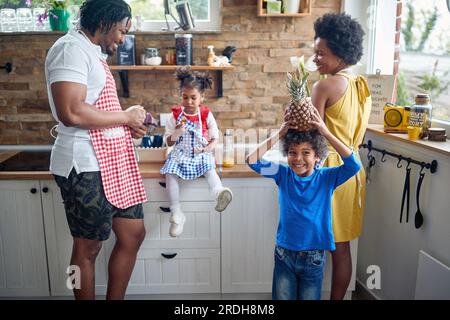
(122, 181)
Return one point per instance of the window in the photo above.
(149, 14)
(425, 55)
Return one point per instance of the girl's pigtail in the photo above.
(183, 73)
(204, 79)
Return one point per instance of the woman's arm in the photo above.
(266, 145)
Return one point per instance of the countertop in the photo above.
(148, 170)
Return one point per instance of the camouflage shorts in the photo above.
(88, 212)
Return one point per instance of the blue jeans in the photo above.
(297, 275)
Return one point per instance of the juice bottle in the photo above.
(228, 149)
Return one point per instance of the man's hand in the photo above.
(139, 132)
(136, 116)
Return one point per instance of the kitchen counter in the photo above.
(148, 170)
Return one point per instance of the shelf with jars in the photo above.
(284, 8)
(124, 69)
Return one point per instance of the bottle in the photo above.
(420, 115)
(211, 55)
(228, 149)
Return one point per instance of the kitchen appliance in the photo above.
(27, 161)
(396, 118)
(184, 13)
(183, 48)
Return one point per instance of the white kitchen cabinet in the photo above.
(23, 263)
(189, 263)
(248, 235)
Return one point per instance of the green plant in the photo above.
(432, 83)
(412, 23)
(402, 91)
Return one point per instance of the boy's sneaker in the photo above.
(224, 198)
(177, 219)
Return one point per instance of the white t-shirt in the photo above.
(74, 58)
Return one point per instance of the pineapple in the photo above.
(300, 108)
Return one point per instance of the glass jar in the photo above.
(420, 115)
(228, 149)
(152, 57)
(183, 46)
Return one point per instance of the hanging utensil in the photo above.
(418, 218)
(406, 190)
(371, 164)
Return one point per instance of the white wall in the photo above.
(392, 246)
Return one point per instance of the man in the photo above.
(93, 159)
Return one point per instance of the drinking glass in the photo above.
(8, 20)
(40, 24)
(25, 21)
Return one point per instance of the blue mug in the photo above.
(146, 142)
(157, 141)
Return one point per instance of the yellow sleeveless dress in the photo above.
(347, 119)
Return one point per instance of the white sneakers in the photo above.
(224, 197)
(177, 217)
(177, 220)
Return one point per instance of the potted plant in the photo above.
(56, 11)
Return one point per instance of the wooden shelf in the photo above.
(305, 10)
(123, 74)
(169, 68)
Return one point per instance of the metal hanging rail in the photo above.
(432, 166)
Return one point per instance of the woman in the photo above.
(343, 100)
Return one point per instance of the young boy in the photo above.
(305, 191)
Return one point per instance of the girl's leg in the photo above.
(177, 218)
(213, 181)
(284, 284)
(173, 190)
(223, 195)
(342, 270)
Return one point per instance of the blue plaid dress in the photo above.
(182, 161)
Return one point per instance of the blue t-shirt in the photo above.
(305, 203)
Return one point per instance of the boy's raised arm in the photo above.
(267, 144)
(343, 150)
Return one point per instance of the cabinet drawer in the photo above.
(201, 229)
(181, 271)
(193, 190)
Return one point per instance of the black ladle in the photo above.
(418, 218)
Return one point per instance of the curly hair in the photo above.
(343, 34)
(193, 79)
(103, 14)
(313, 137)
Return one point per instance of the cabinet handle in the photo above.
(33, 190)
(162, 184)
(44, 189)
(169, 255)
(165, 209)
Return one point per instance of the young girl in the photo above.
(305, 192)
(193, 131)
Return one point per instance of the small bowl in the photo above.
(153, 61)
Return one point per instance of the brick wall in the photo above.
(254, 94)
